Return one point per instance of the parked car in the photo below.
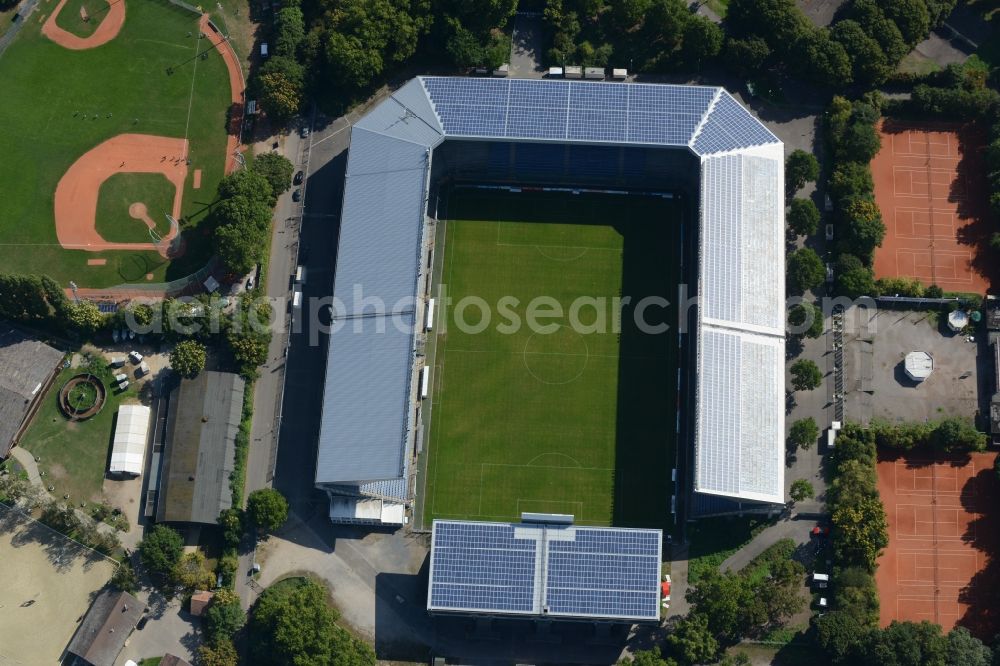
(298, 178)
(135, 357)
(304, 132)
(297, 195)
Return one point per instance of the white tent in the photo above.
(958, 320)
(129, 449)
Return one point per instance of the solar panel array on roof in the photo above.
(569, 110)
(551, 570)
(729, 127)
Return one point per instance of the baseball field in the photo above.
(577, 413)
(114, 116)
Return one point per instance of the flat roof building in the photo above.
(199, 455)
(545, 570)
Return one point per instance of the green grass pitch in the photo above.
(71, 20)
(579, 420)
(47, 89)
(120, 191)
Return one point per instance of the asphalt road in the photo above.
(289, 393)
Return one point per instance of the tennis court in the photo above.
(929, 186)
(942, 537)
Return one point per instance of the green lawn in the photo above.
(713, 540)
(122, 190)
(46, 91)
(70, 18)
(74, 456)
(579, 419)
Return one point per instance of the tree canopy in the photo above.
(267, 509)
(277, 169)
(161, 551)
(293, 625)
(800, 168)
(188, 358)
(803, 433)
(806, 375)
(805, 270)
(803, 217)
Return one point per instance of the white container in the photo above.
(574, 72)
(555, 72)
(619, 74)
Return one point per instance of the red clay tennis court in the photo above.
(942, 534)
(930, 188)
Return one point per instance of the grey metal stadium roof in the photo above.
(545, 570)
(741, 258)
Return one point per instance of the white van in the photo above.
(300, 275)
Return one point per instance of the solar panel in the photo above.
(587, 572)
(573, 110)
(730, 126)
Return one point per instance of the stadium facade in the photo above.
(439, 130)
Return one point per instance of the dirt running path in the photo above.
(236, 86)
(77, 191)
(111, 25)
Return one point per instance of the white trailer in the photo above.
(425, 381)
(429, 322)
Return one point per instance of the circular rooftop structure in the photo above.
(958, 320)
(919, 365)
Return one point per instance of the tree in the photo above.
(224, 616)
(289, 31)
(280, 94)
(692, 640)
(801, 490)
(267, 509)
(702, 41)
(842, 635)
(909, 644)
(293, 625)
(825, 60)
(125, 579)
(911, 17)
(240, 248)
(248, 185)
(806, 319)
(31, 298)
(805, 270)
(856, 283)
(723, 598)
(747, 56)
(964, 648)
(803, 433)
(803, 217)
(277, 169)
(850, 179)
(864, 227)
(191, 572)
(806, 375)
(161, 550)
(15, 489)
(861, 531)
(957, 434)
(188, 358)
(860, 142)
(221, 653)
(231, 521)
(800, 167)
(868, 62)
(84, 317)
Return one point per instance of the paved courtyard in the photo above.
(951, 390)
(49, 586)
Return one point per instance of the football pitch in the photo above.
(573, 413)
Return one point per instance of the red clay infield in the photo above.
(943, 532)
(77, 191)
(111, 24)
(930, 187)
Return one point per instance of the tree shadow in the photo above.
(981, 495)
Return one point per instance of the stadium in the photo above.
(505, 188)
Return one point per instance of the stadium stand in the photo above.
(438, 130)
